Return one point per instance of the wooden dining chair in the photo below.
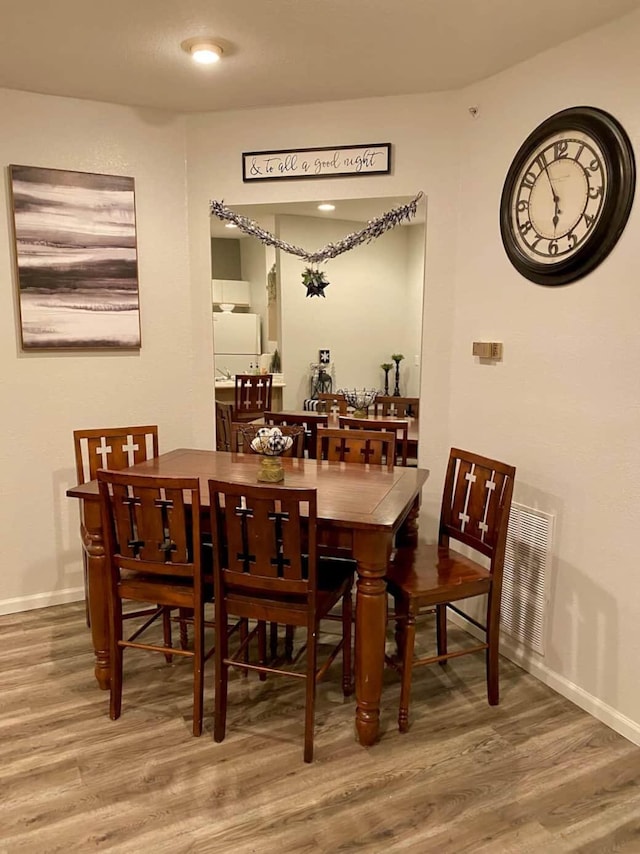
(113, 448)
(309, 421)
(153, 555)
(266, 568)
(252, 396)
(399, 428)
(243, 434)
(401, 407)
(224, 420)
(475, 512)
(356, 446)
(333, 402)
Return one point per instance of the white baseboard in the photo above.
(532, 663)
(41, 600)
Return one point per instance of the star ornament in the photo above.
(315, 282)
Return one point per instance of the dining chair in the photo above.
(113, 448)
(266, 568)
(425, 578)
(376, 447)
(399, 428)
(401, 407)
(310, 421)
(243, 434)
(333, 401)
(153, 554)
(252, 396)
(224, 420)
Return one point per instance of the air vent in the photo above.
(527, 567)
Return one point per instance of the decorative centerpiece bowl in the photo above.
(361, 399)
(270, 443)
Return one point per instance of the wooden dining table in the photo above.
(362, 510)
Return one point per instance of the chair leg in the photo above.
(115, 694)
(166, 628)
(244, 631)
(262, 647)
(310, 692)
(288, 642)
(222, 675)
(198, 669)
(273, 640)
(409, 639)
(493, 659)
(347, 623)
(184, 629)
(399, 627)
(441, 631)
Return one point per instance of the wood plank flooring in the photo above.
(535, 774)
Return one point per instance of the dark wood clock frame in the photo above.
(619, 162)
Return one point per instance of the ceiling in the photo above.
(276, 52)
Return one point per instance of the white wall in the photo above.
(363, 318)
(45, 396)
(564, 405)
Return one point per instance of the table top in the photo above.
(349, 494)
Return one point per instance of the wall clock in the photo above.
(567, 195)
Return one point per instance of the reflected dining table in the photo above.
(362, 510)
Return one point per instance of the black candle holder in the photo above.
(397, 358)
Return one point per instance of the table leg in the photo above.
(93, 544)
(371, 550)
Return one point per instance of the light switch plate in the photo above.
(488, 350)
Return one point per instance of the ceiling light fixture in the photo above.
(205, 52)
(230, 225)
(326, 206)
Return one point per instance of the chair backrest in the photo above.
(243, 434)
(253, 396)
(476, 503)
(376, 447)
(224, 419)
(333, 400)
(151, 524)
(264, 539)
(309, 422)
(401, 407)
(399, 428)
(112, 448)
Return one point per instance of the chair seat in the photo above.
(164, 590)
(427, 575)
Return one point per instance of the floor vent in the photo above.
(527, 567)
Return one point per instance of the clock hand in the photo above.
(556, 198)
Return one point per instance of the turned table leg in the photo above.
(93, 544)
(371, 551)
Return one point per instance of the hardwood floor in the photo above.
(535, 774)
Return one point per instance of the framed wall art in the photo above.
(326, 162)
(76, 259)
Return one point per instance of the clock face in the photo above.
(567, 196)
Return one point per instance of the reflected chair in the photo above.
(399, 428)
(333, 401)
(112, 448)
(153, 555)
(252, 396)
(310, 422)
(401, 407)
(224, 420)
(243, 434)
(423, 578)
(269, 571)
(376, 447)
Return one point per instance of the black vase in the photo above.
(386, 381)
(396, 391)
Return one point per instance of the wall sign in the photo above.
(373, 159)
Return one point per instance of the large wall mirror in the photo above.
(372, 308)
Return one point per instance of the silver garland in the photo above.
(374, 228)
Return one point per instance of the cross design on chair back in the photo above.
(113, 448)
(473, 502)
(253, 395)
(356, 446)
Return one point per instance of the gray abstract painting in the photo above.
(76, 259)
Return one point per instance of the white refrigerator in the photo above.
(236, 341)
